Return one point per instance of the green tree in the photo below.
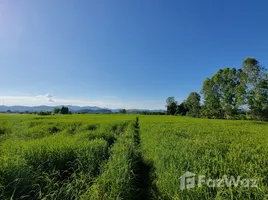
(193, 104)
(257, 88)
(64, 110)
(123, 111)
(171, 106)
(181, 109)
(230, 90)
(211, 107)
(56, 110)
(224, 93)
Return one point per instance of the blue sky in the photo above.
(131, 54)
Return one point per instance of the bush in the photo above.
(45, 113)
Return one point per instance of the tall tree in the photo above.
(123, 111)
(171, 106)
(211, 107)
(224, 93)
(257, 87)
(193, 104)
(56, 110)
(229, 88)
(182, 109)
(64, 110)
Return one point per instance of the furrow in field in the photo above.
(119, 179)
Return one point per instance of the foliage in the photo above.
(56, 110)
(182, 109)
(211, 107)
(257, 88)
(193, 104)
(44, 113)
(171, 106)
(226, 93)
(230, 89)
(64, 110)
(123, 111)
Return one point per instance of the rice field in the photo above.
(112, 157)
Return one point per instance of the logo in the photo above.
(189, 180)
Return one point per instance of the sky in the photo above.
(122, 53)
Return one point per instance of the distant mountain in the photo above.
(76, 108)
(159, 110)
(139, 110)
(84, 111)
(45, 108)
(26, 108)
(116, 110)
(144, 110)
(80, 109)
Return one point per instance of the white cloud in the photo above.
(51, 100)
(48, 95)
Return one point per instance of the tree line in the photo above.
(63, 110)
(230, 93)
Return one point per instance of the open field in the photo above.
(123, 157)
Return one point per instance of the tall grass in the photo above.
(43, 159)
(108, 157)
(118, 179)
(204, 148)
(46, 167)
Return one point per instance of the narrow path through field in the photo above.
(143, 170)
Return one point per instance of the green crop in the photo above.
(123, 157)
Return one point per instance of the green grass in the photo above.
(118, 179)
(113, 157)
(213, 148)
(52, 160)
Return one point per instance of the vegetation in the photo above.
(117, 157)
(56, 110)
(172, 106)
(118, 179)
(212, 148)
(229, 94)
(44, 113)
(123, 111)
(64, 110)
(44, 159)
(193, 104)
